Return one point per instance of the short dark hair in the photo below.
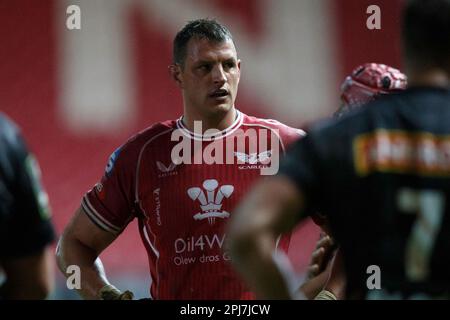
(426, 33)
(200, 29)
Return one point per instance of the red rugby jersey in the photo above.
(183, 208)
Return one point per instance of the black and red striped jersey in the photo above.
(382, 177)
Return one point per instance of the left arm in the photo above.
(271, 209)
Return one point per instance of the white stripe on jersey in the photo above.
(93, 214)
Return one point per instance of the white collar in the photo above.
(212, 136)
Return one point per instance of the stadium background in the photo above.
(79, 94)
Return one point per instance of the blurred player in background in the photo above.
(182, 207)
(379, 174)
(366, 83)
(26, 230)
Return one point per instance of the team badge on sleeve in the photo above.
(111, 161)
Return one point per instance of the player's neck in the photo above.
(220, 122)
(429, 78)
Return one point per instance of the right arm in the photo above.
(105, 211)
(81, 244)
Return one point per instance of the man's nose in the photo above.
(218, 74)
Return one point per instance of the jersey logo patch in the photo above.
(211, 203)
(100, 191)
(163, 168)
(254, 158)
(111, 161)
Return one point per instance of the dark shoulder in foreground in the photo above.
(12, 148)
(8, 131)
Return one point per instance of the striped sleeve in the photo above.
(110, 203)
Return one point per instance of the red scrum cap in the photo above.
(367, 82)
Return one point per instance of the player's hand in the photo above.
(321, 256)
(109, 292)
(319, 267)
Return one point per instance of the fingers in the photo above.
(324, 241)
(323, 248)
(317, 256)
(320, 256)
(316, 262)
(312, 271)
(127, 295)
(109, 292)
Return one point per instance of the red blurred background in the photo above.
(78, 94)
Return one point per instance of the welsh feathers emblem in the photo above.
(211, 202)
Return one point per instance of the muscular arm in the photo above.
(80, 244)
(270, 209)
(29, 277)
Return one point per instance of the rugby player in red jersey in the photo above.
(181, 179)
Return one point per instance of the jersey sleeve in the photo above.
(288, 135)
(291, 135)
(110, 203)
(26, 227)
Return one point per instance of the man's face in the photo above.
(210, 77)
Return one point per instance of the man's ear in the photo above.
(239, 69)
(175, 73)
